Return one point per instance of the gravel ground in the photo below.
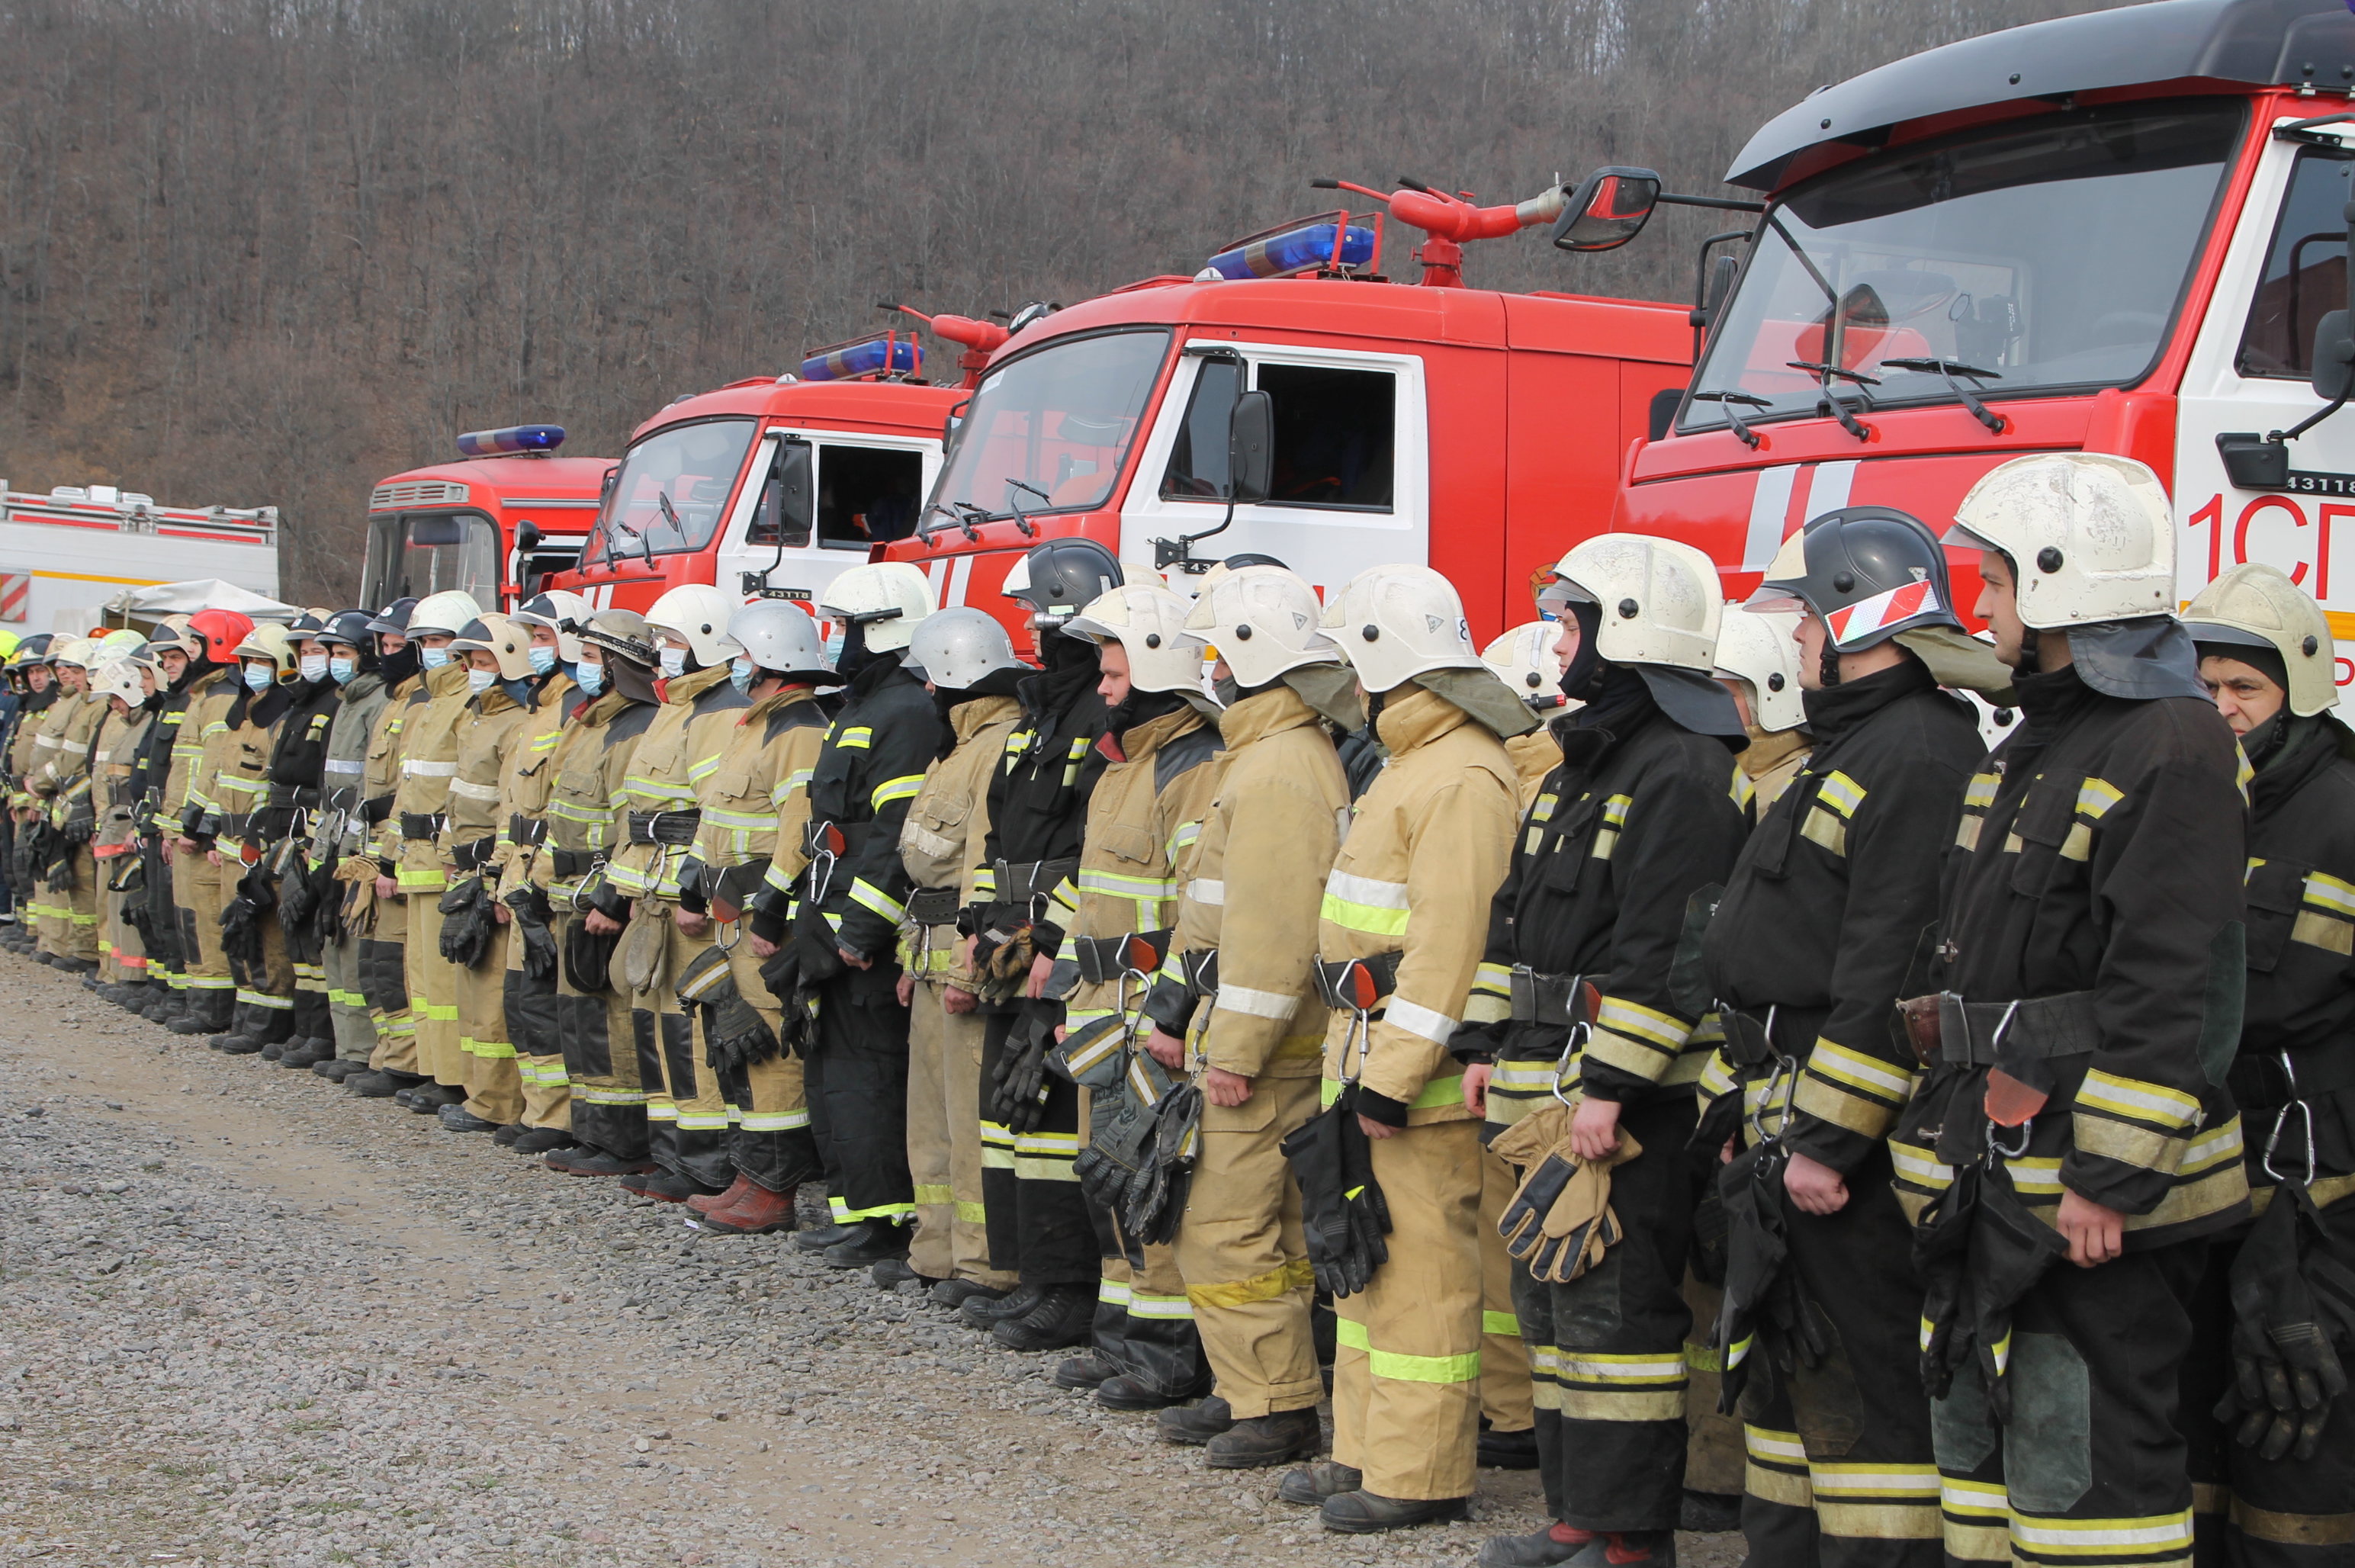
(248, 1319)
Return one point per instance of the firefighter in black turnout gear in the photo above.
(2271, 1430)
(1806, 959)
(2071, 1145)
(309, 900)
(1586, 1053)
(847, 933)
(1039, 1224)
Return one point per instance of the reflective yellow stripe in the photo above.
(902, 788)
(1400, 1368)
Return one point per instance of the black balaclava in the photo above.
(855, 656)
(1620, 692)
(1141, 708)
(397, 668)
(1583, 679)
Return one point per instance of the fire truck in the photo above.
(2122, 232)
(494, 523)
(769, 486)
(65, 553)
(1291, 400)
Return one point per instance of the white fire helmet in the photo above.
(1524, 660)
(1393, 622)
(1150, 624)
(2255, 605)
(1263, 621)
(697, 613)
(2090, 536)
(1660, 600)
(889, 598)
(957, 646)
(1757, 649)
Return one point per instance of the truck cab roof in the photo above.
(911, 408)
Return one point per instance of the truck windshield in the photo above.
(412, 554)
(1050, 431)
(669, 492)
(2039, 257)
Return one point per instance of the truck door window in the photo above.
(2306, 270)
(867, 494)
(1198, 462)
(1335, 435)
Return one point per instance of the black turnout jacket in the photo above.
(870, 766)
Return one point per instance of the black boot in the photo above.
(824, 1236)
(957, 1292)
(542, 1140)
(1195, 1424)
(1087, 1371)
(1061, 1318)
(1362, 1512)
(1509, 1450)
(870, 1241)
(983, 1311)
(1264, 1440)
(1325, 1478)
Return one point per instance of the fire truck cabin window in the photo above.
(1336, 434)
(2306, 270)
(867, 494)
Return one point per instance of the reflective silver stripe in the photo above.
(1365, 890)
(412, 768)
(473, 791)
(1436, 1028)
(335, 767)
(1208, 891)
(1257, 1004)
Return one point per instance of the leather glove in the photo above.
(1369, 1213)
(1020, 1080)
(1314, 1152)
(1002, 967)
(240, 928)
(467, 923)
(1560, 1221)
(1120, 1145)
(2010, 1250)
(2286, 1370)
(1156, 1200)
(528, 906)
(1094, 1054)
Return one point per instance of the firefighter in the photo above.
(114, 848)
(474, 941)
(1758, 663)
(304, 889)
(687, 1118)
(353, 665)
(375, 913)
(1161, 742)
(1038, 1225)
(1807, 958)
(968, 662)
(2266, 654)
(60, 781)
(750, 803)
(204, 675)
(1238, 989)
(30, 664)
(1400, 931)
(151, 765)
(606, 1096)
(1579, 1024)
(1524, 660)
(2072, 1147)
(846, 934)
(552, 621)
(233, 775)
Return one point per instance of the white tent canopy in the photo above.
(153, 603)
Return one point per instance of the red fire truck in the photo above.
(493, 523)
(1291, 400)
(2121, 233)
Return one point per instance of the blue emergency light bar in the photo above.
(888, 353)
(1300, 249)
(514, 441)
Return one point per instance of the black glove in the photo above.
(2010, 1250)
(527, 908)
(589, 957)
(1750, 1189)
(1336, 1222)
(2286, 1369)
(467, 923)
(240, 928)
(1019, 1083)
(1156, 1200)
(1120, 1144)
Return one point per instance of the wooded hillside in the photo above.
(258, 251)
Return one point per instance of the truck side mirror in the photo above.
(2334, 357)
(1610, 208)
(527, 536)
(792, 491)
(1251, 446)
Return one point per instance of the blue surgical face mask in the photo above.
(542, 660)
(433, 659)
(590, 677)
(343, 670)
(742, 672)
(258, 677)
(478, 681)
(314, 666)
(673, 661)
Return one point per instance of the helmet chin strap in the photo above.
(1828, 665)
(2028, 664)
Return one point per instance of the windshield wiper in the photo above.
(1030, 528)
(1831, 403)
(1734, 419)
(1948, 369)
(670, 516)
(961, 514)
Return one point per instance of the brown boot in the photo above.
(719, 1201)
(756, 1213)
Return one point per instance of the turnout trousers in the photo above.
(686, 1120)
(1406, 1375)
(347, 1006)
(493, 1082)
(122, 955)
(199, 883)
(1506, 1398)
(1607, 1349)
(944, 1146)
(606, 1098)
(384, 984)
(1242, 1258)
(770, 1139)
(2092, 1466)
(1143, 1321)
(2250, 1511)
(1713, 1447)
(1841, 1470)
(1038, 1220)
(856, 1079)
(70, 920)
(265, 991)
(530, 1002)
(433, 993)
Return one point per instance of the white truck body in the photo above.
(65, 554)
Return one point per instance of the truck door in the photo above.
(2285, 266)
(814, 503)
(1352, 485)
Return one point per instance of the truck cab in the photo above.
(2121, 233)
(1468, 429)
(493, 524)
(772, 484)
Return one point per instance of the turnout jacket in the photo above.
(298, 764)
(1535, 756)
(2099, 857)
(1428, 846)
(679, 749)
(204, 715)
(1826, 907)
(946, 824)
(527, 780)
(768, 758)
(1637, 819)
(114, 754)
(1253, 892)
(592, 767)
(490, 722)
(1144, 816)
(60, 758)
(235, 769)
(868, 769)
(1039, 797)
(2301, 997)
(426, 739)
(27, 723)
(344, 761)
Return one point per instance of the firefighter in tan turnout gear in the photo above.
(1399, 935)
(1236, 1002)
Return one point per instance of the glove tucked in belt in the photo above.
(673, 827)
(476, 853)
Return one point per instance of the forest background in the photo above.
(268, 252)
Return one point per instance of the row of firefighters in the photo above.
(1680, 998)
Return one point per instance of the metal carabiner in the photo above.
(1359, 1033)
(1783, 1066)
(1579, 1033)
(2281, 1118)
(1996, 1150)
